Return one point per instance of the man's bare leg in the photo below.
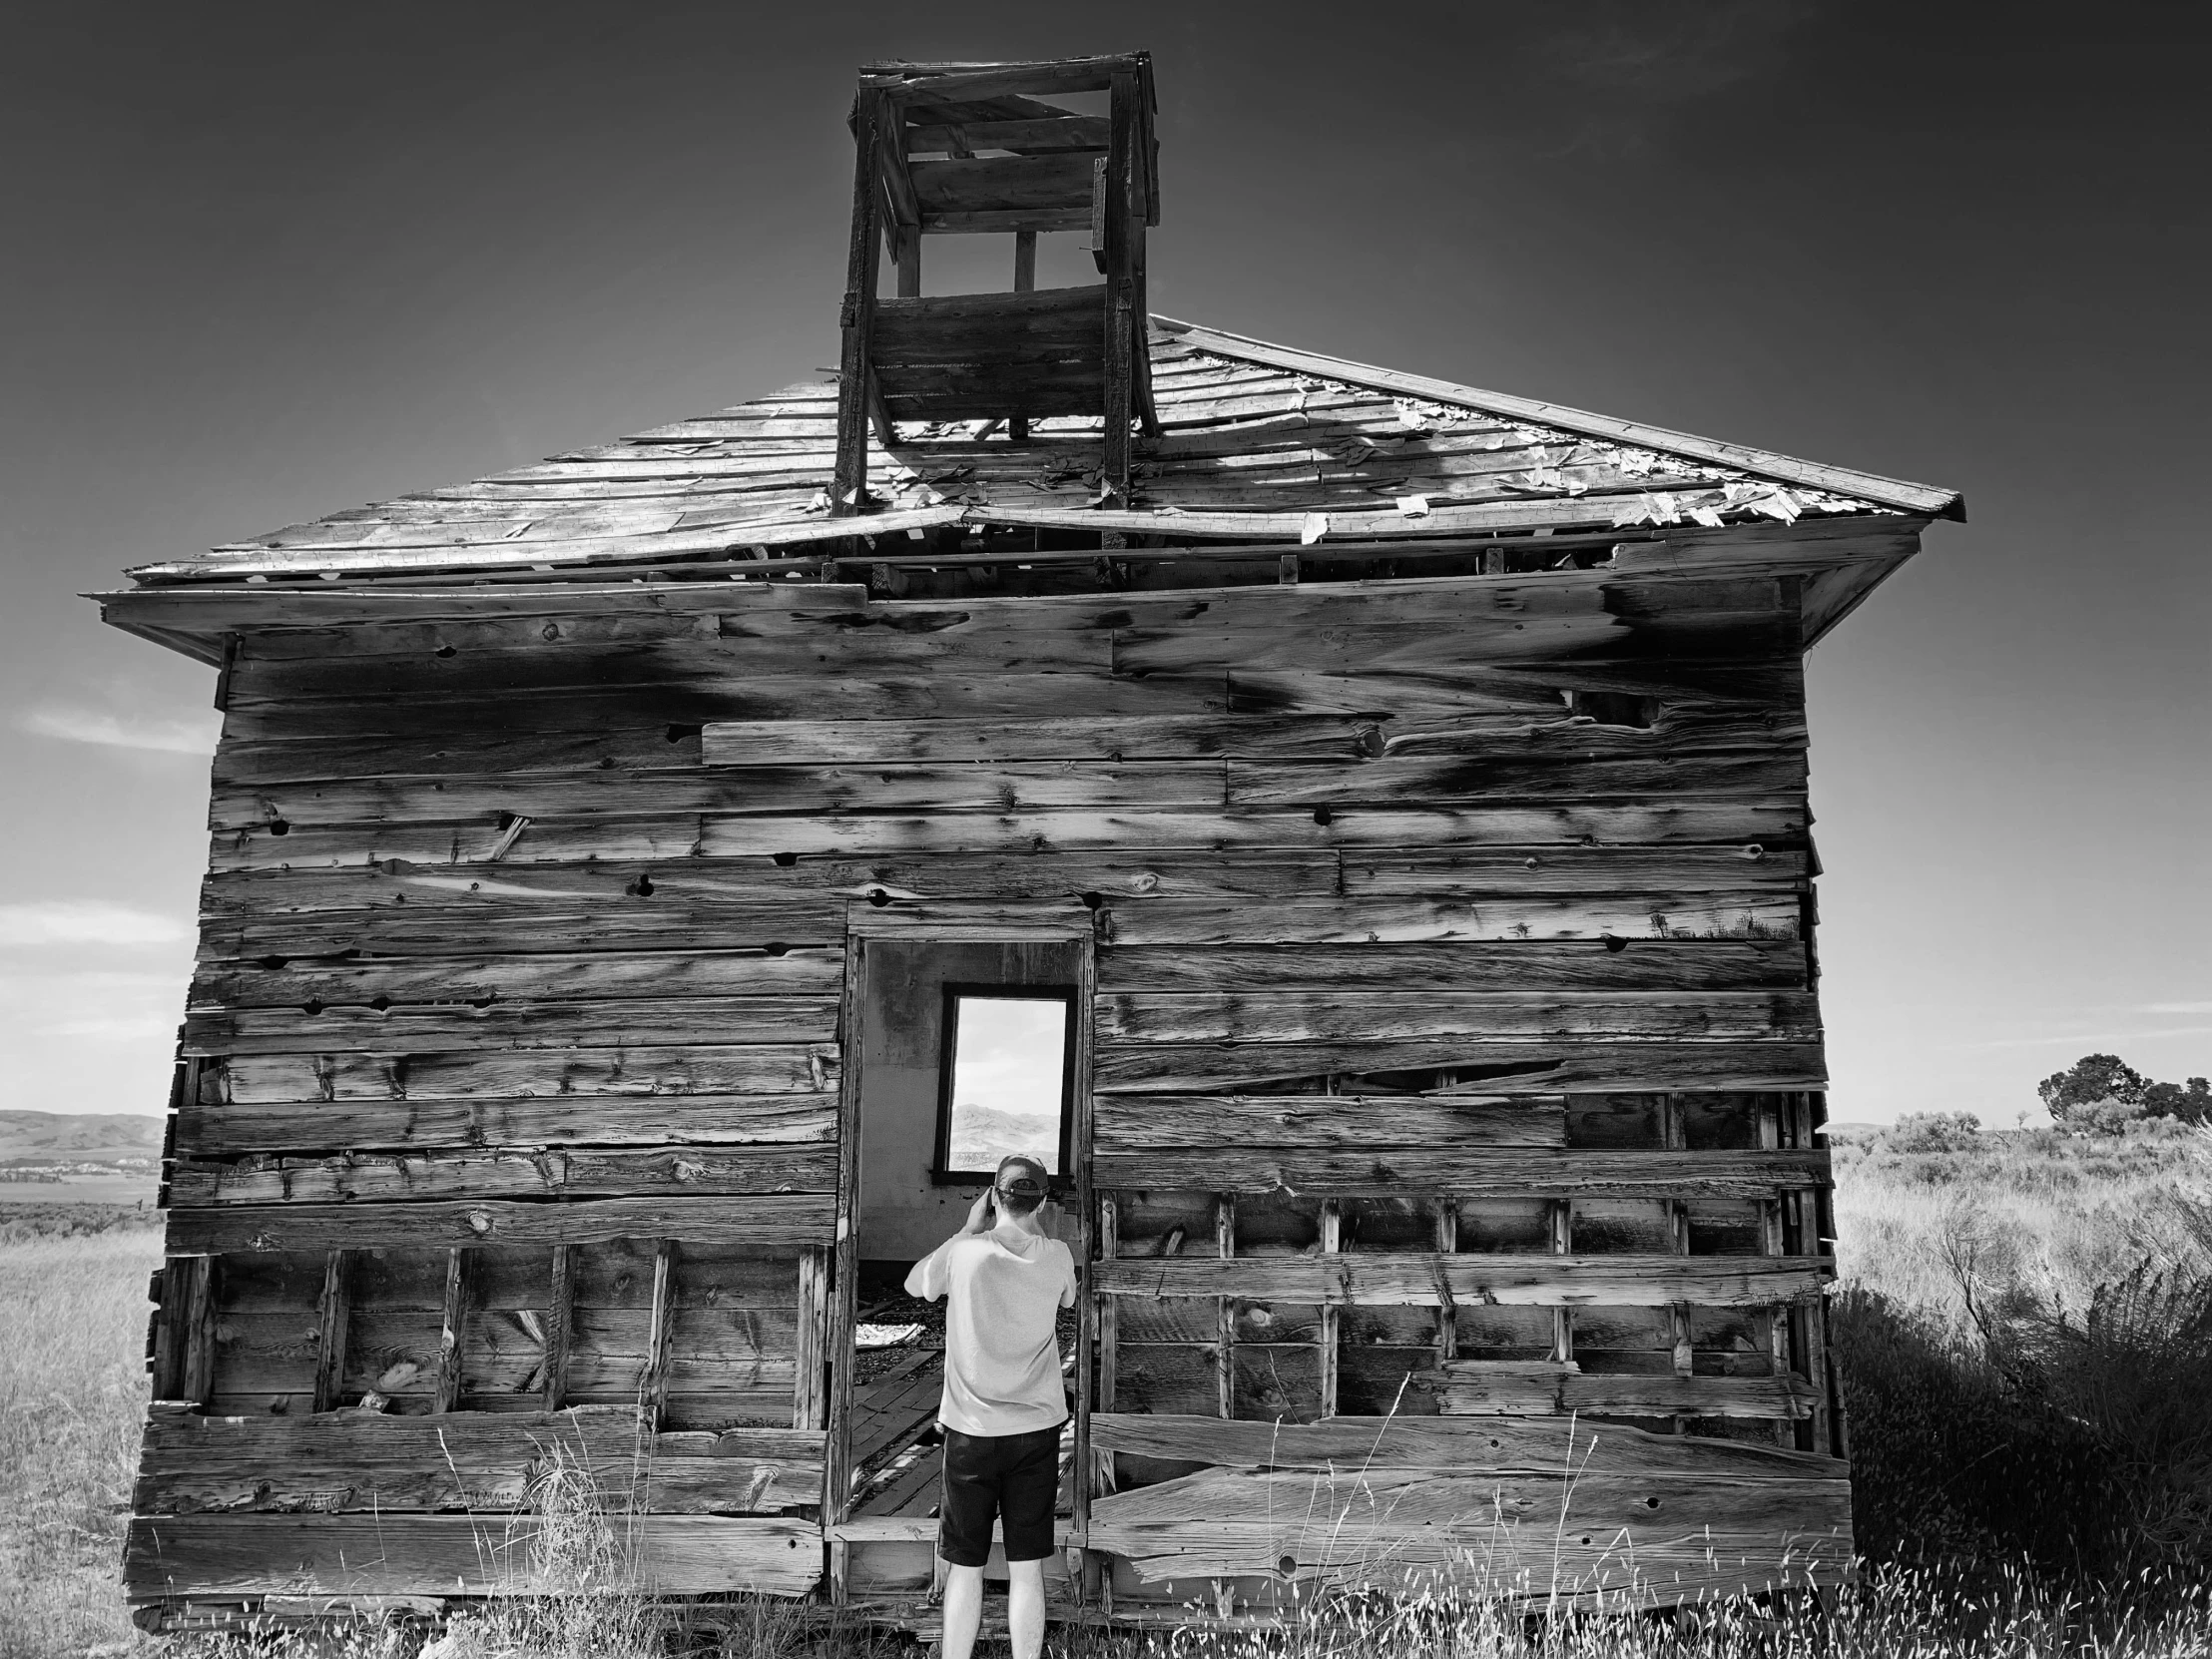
(963, 1608)
(1024, 1608)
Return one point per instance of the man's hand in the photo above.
(979, 1216)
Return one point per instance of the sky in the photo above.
(264, 262)
(1009, 1071)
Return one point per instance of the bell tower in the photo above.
(979, 149)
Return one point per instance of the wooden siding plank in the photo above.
(1542, 1447)
(1476, 1066)
(779, 1223)
(1128, 1125)
(1517, 823)
(455, 1175)
(1287, 1525)
(442, 1555)
(519, 1126)
(504, 1074)
(1411, 1278)
(366, 1461)
(511, 1025)
(1473, 1172)
(1345, 1015)
(1669, 964)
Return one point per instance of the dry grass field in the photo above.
(2027, 1320)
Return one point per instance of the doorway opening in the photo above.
(966, 1051)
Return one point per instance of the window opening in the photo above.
(1006, 1078)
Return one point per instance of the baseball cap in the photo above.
(1020, 1175)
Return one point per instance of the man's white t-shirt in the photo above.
(1004, 1289)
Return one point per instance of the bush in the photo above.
(1933, 1132)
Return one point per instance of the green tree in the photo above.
(2101, 1094)
(2097, 1092)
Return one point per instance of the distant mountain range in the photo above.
(89, 1135)
(981, 1135)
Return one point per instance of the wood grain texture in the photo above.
(779, 1221)
(516, 1126)
(1419, 1279)
(455, 1175)
(1474, 1066)
(1389, 1522)
(1472, 1172)
(353, 1460)
(439, 1555)
(1541, 1446)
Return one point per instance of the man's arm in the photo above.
(928, 1277)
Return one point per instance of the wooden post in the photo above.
(1123, 326)
(1224, 1310)
(1088, 1242)
(810, 1396)
(1447, 1315)
(1026, 281)
(1674, 1137)
(334, 1323)
(909, 264)
(1332, 1316)
(184, 1348)
(559, 1321)
(1561, 1213)
(658, 1341)
(856, 377)
(837, 1492)
(196, 1377)
(448, 1394)
(1109, 1331)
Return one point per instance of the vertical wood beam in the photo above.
(1109, 1332)
(173, 1290)
(560, 1324)
(1225, 1308)
(1447, 1315)
(1026, 281)
(1674, 1137)
(810, 1392)
(909, 265)
(658, 1341)
(1774, 1241)
(836, 1492)
(1123, 328)
(857, 318)
(1088, 1239)
(1561, 1217)
(1332, 1316)
(334, 1323)
(448, 1391)
(188, 1301)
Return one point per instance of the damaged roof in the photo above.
(1257, 442)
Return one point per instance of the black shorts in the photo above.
(1011, 1477)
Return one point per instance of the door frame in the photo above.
(949, 924)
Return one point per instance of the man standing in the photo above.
(1004, 1283)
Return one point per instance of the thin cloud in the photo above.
(2104, 1040)
(2178, 1008)
(74, 723)
(83, 921)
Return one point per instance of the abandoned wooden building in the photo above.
(1359, 821)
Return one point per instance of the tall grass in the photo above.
(2025, 1326)
(73, 1314)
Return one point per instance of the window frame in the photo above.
(948, 1028)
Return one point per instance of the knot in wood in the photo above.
(479, 1222)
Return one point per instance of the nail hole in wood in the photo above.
(642, 888)
(784, 860)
